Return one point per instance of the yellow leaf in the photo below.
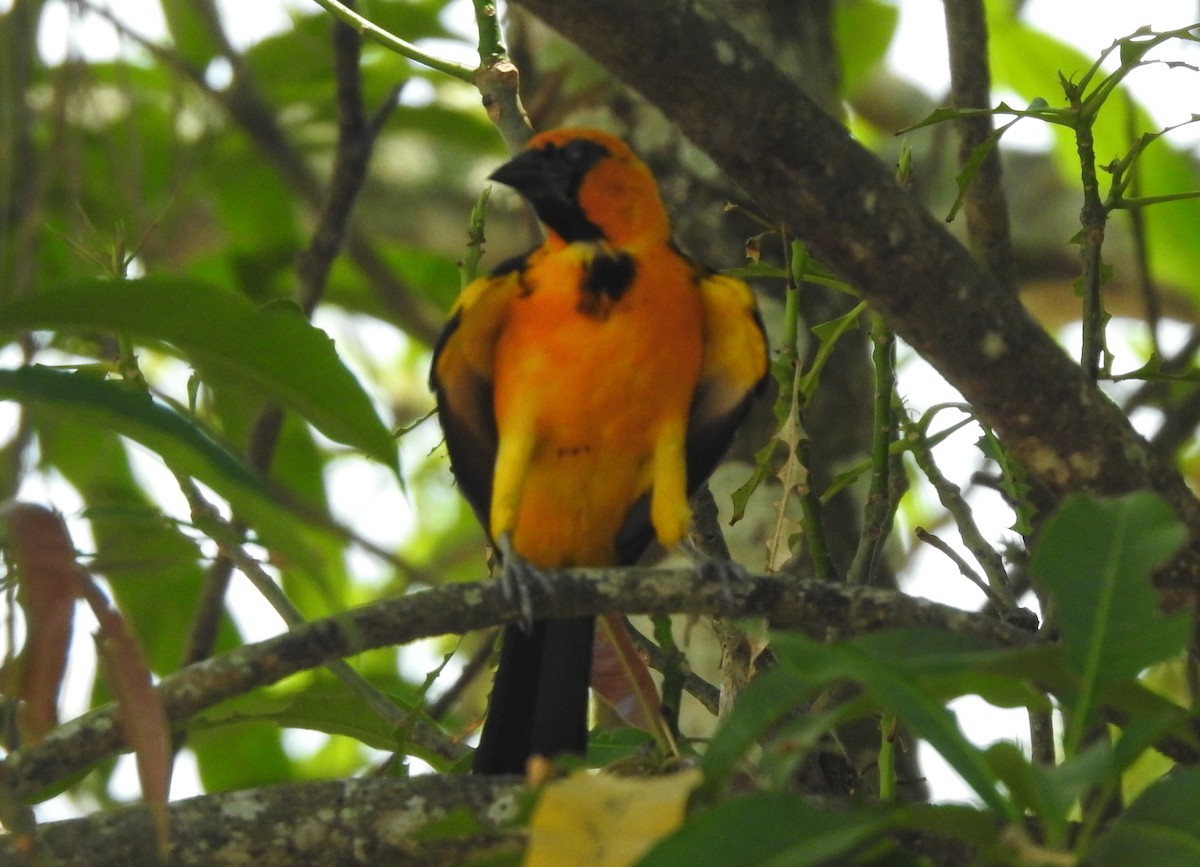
(599, 820)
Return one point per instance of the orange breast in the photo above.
(599, 389)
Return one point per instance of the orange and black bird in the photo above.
(585, 389)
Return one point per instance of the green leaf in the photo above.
(885, 678)
(828, 333)
(319, 706)
(1160, 827)
(1052, 792)
(971, 167)
(272, 349)
(1148, 716)
(241, 757)
(769, 828)
(769, 699)
(1014, 769)
(1021, 59)
(863, 31)
(1095, 557)
(947, 665)
(607, 746)
(183, 445)
(192, 31)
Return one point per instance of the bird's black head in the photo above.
(549, 175)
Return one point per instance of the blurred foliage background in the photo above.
(188, 155)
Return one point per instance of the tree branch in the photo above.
(341, 823)
(802, 167)
(332, 823)
(985, 205)
(456, 608)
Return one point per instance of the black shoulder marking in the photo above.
(610, 275)
(511, 264)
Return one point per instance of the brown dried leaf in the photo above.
(139, 707)
(44, 561)
(622, 680)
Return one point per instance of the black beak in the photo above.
(549, 178)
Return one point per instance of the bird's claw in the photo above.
(517, 578)
(710, 569)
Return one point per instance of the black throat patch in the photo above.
(607, 278)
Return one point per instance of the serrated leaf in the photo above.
(1095, 557)
(272, 349)
(185, 447)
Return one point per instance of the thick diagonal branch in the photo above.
(803, 167)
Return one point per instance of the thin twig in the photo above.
(963, 566)
(986, 207)
(374, 32)
(499, 80)
(476, 664)
(351, 157)
(430, 741)
(699, 688)
(951, 498)
(878, 510)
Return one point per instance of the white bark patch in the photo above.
(504, 809)
(398, 826)
(244, 806)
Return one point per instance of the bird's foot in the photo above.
(710, 569)
(517, 578)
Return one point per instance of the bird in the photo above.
(585, 390)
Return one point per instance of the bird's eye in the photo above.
(584, 152)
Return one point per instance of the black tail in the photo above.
(540, 697)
